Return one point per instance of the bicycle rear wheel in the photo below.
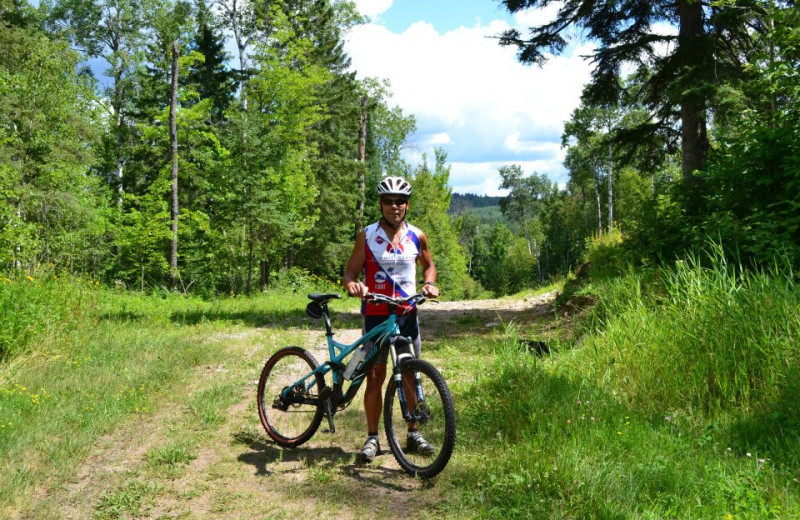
(290, 422)
(434, 418)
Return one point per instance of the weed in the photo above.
(130, 500)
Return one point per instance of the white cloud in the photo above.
(373, 8)
(440, 139)
(483, 178)
(538, 16)
(473, 98)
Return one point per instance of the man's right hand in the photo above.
(357, 289)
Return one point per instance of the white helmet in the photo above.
(394, 186)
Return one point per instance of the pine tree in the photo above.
(679, 85)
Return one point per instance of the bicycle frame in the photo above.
(337, 352)
(382, 336)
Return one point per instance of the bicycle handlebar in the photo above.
(416, 299)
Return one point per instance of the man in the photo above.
(387, 252)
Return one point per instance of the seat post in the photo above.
(326, 315)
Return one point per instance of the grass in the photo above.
(674, 396)
(97, 358)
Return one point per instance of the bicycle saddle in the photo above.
(323, 298)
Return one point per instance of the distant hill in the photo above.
(469, 201)
(485, 208)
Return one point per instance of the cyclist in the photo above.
(387, 252)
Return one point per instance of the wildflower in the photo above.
(667, 418)
(749, 454)
(29, 278)
(569, 421)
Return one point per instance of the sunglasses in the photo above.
(395, 202)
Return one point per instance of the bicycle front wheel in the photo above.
(433, 415)
(289, 421)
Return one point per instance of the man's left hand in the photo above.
(430, 291)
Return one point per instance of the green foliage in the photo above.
(428, 211)
(754, 193)
(606, 255)
(51, 209)
(132, 499)
(40, 308)
(708, 338)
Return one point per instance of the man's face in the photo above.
(393, 208)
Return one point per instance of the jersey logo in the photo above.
(399, 250)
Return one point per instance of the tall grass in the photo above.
(712, 336)
(679, 401)
(37, 308)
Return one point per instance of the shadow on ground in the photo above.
(268, 458)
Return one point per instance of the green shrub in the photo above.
(715, 337)
(33, 308)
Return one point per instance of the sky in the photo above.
(469, 95)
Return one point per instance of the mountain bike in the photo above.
(295, 392)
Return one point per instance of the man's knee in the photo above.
(376, 376)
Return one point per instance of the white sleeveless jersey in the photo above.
(390, 270)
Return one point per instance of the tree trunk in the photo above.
(262, 268)
(610, 187)
(527, 235)
(249, 267)
(362, 156)
(173, 143)
(120, 162)
(693, 50)
(597, 203)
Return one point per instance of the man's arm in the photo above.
(425, 260)
(354, 266)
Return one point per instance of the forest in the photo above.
(189, 169)
(162, 222)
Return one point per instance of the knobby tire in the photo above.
(439, 430)
(297, 424)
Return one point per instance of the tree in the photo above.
(112, 30)
(241, 18)
(712, 38)
(428, 211)
(589, 136)
(523, 203)
(51, 209)
(173, 151)
(211, 77)
(275, 187)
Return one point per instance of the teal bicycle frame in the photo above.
(385, 335)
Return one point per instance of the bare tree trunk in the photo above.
(249, 266)
(610, 187)
(597, 203)
(262, 268)
(362, 156)
(18, 248)
(527, 235)
(173, 143)
(120, 162)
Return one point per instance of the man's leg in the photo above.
(373, 399)
(373, 403)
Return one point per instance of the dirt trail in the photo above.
(235, 471)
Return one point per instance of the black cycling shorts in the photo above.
(409, 327)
